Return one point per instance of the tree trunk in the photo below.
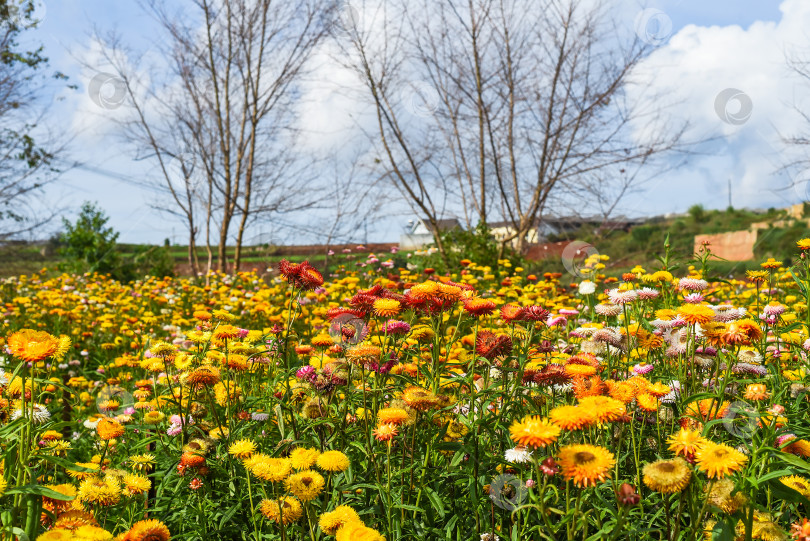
(237, 255)
(193, 262)
(437, 238)
(222, 248)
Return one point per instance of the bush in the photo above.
(477, 245)
(698, 213)
(641, 234)
(88, 245)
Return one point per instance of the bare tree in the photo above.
(797, 162)
(527, 102)
(354, 203)
(221, 125)
(28, 152)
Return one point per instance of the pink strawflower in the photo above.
(693, 298)
(393, 326)
(774, 310)
(641, 369)
(647, 293)
(304, 372)
(692, 284)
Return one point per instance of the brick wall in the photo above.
(733, 246)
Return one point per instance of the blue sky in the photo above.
(704, 33)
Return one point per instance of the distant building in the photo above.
(418, 235)
(559, 225)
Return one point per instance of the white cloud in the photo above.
(700, 63)
(690, 70)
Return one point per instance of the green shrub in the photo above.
(88, 245)
(477, 245)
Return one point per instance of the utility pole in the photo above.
(729, 192)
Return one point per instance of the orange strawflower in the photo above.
(32, 346)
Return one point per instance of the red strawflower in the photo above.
(490, 345)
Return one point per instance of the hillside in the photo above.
(776, 235)
(776, 232)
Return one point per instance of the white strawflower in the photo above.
(517, 455)
(565, 388)
(672, 395)
(622, 297)
(587, 287)
(750, 356)
(3, 378)
(91, 425)
(41, 414)
(608, 310)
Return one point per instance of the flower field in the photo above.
(488, 404)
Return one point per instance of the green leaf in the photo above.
(786, 493)
(227, 516)
(795, 461)
(67, 464)
(38, 490)
(773, 475)
(20, 533)
(722, 532)
(410, 508)
(438, 505)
